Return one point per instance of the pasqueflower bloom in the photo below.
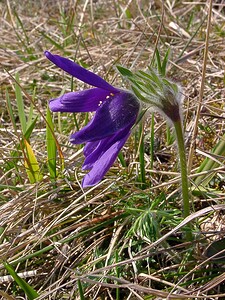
(116, 112)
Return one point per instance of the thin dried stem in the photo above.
(201, 91)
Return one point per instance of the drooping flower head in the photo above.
(116, 112)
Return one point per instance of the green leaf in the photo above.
(152, 140)
(158, 60)
(51, 145)
(210, 164)
(165, 61)
(80, 288)
(20, 105)
(125, 72)
(138, 94)
(128, 14)
(142, 175)
(28, 290)
(30, 129)
(31, 112)
(10, 111)
(31, 164)
(10, 187)
(53, 42)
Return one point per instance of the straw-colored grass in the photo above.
(54, 233)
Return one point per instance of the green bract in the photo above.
(156, 91)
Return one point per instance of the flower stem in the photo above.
(183, 168)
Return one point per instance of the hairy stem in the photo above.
(183, 169)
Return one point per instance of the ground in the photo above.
(126, 237)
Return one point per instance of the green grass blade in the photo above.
(14, 153)
(11, 187)
(165, 61)
(169, 136)
(51, 145)
(21, 25)
(142, 178)
(210, 164)
(158, 61)
(32, 167)
(26, 136)
(80, 289)
(48, 248)
(30, 116)
(192, 37)
(118, 275)
(152, 141)
(30, 129)
(28, 290)
(122, 160)
(31, 112)
(23, 36)
(53, 42)
(10, 111)
(20, 105)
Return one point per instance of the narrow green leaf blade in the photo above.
(30, 128)
(51, 145)
(10, 110)
(53, 42)
(158, 60)
(165, 61)
(20, 105)
(31, 164)
(210, 164)
(28, 290)
(80, 288)
(125, 72)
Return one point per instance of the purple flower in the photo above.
(116, 112)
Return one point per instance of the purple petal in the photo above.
(104, 162)
(79, 72)
(97, 148)
(82, 101)
(116, 113)
(90, 147)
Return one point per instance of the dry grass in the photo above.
(63, 233)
